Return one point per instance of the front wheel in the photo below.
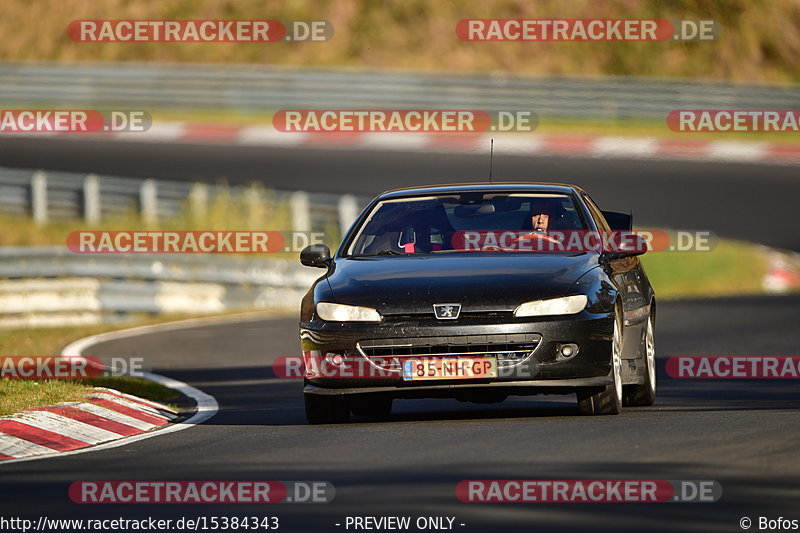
(609, 400)
(326, 409)
(645, 394)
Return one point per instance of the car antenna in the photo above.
(491, 155)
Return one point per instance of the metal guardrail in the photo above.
(66, 195)
(50, 286)
(265, 88)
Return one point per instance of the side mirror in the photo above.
(628, 245)
(618, 221)
(316, 255)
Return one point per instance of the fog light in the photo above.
(334, 358)
(567, 351)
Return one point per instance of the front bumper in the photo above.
(536, 366)
(468, 389)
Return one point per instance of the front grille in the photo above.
(510, 349)
(464, 314)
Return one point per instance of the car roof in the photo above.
(505, 186)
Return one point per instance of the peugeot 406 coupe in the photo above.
(477, 292)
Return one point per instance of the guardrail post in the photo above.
(198, 201)
(348, 211)
(91, 199)
(39, 197)
(148, 201)
(301, 212)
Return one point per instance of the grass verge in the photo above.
(758, 41)
(19, 394)
(733, 268)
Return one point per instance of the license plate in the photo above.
(450, 368)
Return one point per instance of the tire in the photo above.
(645, 394)
(372, 407)
(326, 409)
(609, 400)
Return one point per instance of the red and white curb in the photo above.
(694, 149)
(784, 273)
(104, 415)
(106, 418)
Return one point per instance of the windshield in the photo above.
(467, 222)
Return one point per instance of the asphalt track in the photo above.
(752, 202)
(744, 434)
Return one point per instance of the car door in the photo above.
(629, 278)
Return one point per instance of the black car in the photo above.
(462, 291)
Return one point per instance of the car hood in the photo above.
(480, 283)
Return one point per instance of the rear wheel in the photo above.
(609, 400)
(374, 407)
(645, 394)
(326, 409)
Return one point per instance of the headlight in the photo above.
(569, 305)
(346, 313)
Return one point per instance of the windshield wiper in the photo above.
(382, 252)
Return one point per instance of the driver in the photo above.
(545, 213)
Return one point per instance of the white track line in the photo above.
(736, 151)
(624, 147)
(268, 136)
(158, 132)
(394, 141)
